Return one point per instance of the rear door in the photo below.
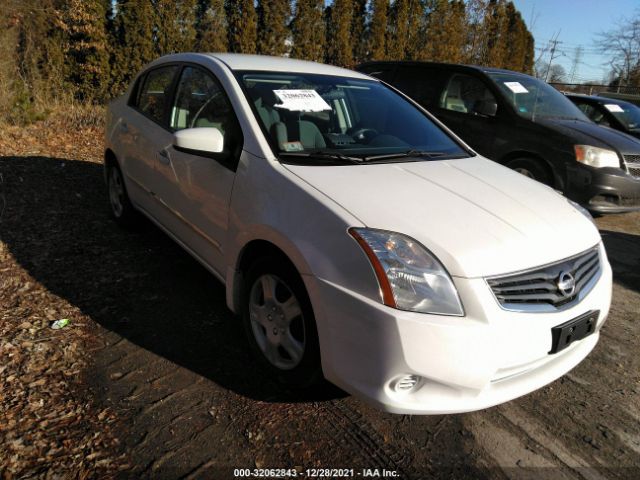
(145, 128)
(196, 189)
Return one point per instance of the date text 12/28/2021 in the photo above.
(314, 473)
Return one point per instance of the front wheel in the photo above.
(279, 323)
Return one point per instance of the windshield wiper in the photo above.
(321, 154)
(408, 153)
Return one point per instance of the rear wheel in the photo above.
(531, 168)
(279, 323)
(121, 208)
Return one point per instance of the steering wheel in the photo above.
(364, 135)
(200, 110)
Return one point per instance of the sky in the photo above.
(578, 22)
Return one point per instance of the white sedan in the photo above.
(358, 238)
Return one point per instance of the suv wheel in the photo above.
(531, 168)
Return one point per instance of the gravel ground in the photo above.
(152, 378)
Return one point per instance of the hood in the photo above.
(478, 217)
(593, 134)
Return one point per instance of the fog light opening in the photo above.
(406, 383)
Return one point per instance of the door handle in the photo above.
(163, 157)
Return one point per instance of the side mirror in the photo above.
(486, 108)
(198, 141)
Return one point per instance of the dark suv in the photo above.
(526, 124)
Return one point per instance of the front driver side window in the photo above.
(593, 113)
(201, 102)
(465, 94)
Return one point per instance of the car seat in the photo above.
(296, 130)
(264, 105)
(453, 97)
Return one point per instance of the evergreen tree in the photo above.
(378, 29)
(358, 30)
(133, 41)
(175, 25)
(211, 27)
(273, 18)
(308, 29)
(446, 31)
(33, 67)
(529, 54)
(339, 40)
(475, 12)
(405, 30)
(515, 40)
(86, 50)
(494, 28)
(242, 21)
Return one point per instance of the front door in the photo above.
(196, 189)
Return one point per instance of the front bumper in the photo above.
(466, 363)
(603, 190)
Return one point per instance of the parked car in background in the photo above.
(357, 237)
(609, 112)
(525, 124)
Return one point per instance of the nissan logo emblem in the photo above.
(566, 284)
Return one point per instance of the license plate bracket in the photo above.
(577, 328)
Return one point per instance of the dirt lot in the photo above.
(155, 381)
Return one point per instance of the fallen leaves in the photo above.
(49, 427)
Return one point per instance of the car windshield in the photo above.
(627, 113)
(533, 98)
(323, 118)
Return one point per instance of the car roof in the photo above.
(459, 66)
(597, 99)
(241, 61)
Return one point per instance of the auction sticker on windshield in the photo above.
(613, 108)
(516, 87)
(301, 101)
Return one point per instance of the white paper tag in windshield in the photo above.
(516, 87)
(613, 108)
(301, 101)
(292, 146)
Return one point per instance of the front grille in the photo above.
(633, 164)
(547, 289)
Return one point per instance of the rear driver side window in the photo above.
(463, 93)
(155, 91)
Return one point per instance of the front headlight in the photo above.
(410, 277)
(596, 157)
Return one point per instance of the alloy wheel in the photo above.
(277, 322)
(116, 192)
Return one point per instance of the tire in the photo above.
(279, 323)
(531, 168)
(122, 211)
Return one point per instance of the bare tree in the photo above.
(552, 73)
(622, 44)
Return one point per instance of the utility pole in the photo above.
(554, 44)
(576, 62)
